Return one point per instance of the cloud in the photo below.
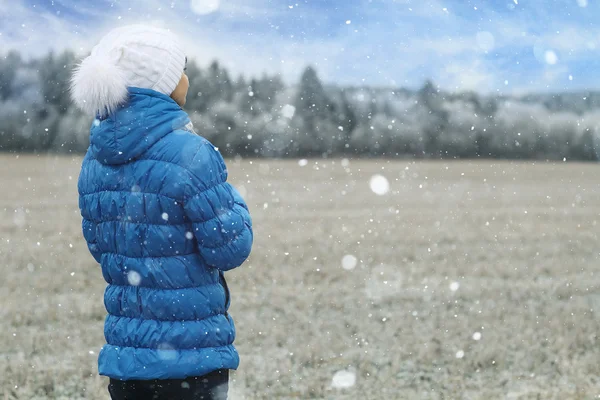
(571, 41)
(28, 29)
(389, 42)
(471, 75)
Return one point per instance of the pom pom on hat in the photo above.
(98, 86)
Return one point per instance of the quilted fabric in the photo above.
(164, 224)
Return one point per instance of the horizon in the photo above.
(506, 48)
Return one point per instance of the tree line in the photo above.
(263, 117)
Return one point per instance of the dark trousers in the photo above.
(213, 386)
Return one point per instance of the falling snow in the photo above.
(550, 57)
(427, 259)
(204, 7)
(288, 111)
(379, 184)
(343, 379)
(167, 352)
(349, 262)
(134, 278)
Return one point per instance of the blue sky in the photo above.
(507, 46)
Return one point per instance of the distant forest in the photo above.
(262, 117)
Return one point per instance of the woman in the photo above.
(161, 219)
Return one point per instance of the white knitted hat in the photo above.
(136, 55)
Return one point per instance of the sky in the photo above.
(489, 46)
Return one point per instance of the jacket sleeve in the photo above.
(88, 226)
(89, 233)
(220, 219)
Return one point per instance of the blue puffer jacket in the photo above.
(164, 224)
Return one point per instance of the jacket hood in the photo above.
(135, 126)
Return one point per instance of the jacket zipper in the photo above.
(226, 288)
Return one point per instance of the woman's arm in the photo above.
(220, 219)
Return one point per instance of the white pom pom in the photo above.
(98, 86)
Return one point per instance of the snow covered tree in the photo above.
(437, 121)
(196, 100)
(9, 65)
(316, 134)
(55, 72)
(72, 132)
(459, 138)
(264, 117)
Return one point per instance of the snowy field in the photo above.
(368, 280)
